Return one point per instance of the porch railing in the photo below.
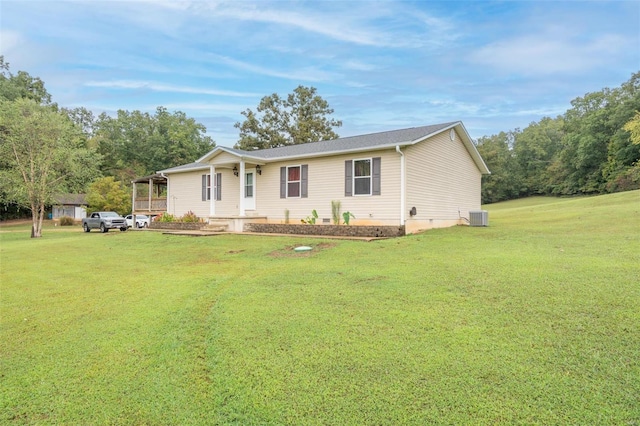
(157, 204)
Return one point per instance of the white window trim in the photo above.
(208, 187)
(251, 172)
(353, 177)
(294, 181)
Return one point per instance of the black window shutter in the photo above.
(348, 177)
(204, 187)
(304, 179)
(218, 186)
(283, 182)
(375, 189)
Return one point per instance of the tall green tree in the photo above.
(21, 85)
(303, 116)
(535, 150)
(136, 143)
(505, 181)
(43, 154)
(596, 149)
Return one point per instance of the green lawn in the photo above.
(533, 320)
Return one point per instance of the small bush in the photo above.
(66, 221)
(166, 217)
(311, 220)
(335, 212)
(190, 217)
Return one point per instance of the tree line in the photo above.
(593, 148)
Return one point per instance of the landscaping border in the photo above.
(328, 230)
(180, 226)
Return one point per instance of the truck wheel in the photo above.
(124, 228)
(138, 225)
(103, 229)
(86, 228)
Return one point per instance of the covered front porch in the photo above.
(149, 195)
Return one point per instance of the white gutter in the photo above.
(402, 185)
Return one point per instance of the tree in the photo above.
(535, 149)
(633, 127)
(136, 143)
(43, 154)
(107, 194)
(504, 182)
(21, 85)
(300, 118)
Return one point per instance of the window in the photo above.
(248, 185)
(207, 186)
(294, 181)
(362, 177)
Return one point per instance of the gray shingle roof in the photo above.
(370, 141)
(352, 143)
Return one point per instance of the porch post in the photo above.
(133, 199)
(242, 178)
(150, 193)
(212, 192)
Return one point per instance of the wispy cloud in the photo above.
(551, 52)
(311, 74)
(161, 87)
(331, 26)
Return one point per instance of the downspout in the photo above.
(402, 184)
(212, 192)
(242, 178)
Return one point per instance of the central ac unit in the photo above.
(479, 218)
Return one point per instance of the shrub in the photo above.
(66, 221)
(190, 217)
(346, 216)
(311, 220)
(166, 217)
(335, 212)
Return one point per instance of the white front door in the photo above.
(250, 189)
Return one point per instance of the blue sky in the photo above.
(381, 65)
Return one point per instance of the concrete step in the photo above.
(216, 227)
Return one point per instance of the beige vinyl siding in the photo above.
(228, 206)
(441, 178)
(326, 183)
(224, 158)
(185, 194)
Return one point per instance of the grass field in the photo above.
(533, 320)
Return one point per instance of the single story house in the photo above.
(71, 205)
(420, 178)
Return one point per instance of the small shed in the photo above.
(71, 205)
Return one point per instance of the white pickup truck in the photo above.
(104, 221)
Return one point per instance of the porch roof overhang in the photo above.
(156, 178)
